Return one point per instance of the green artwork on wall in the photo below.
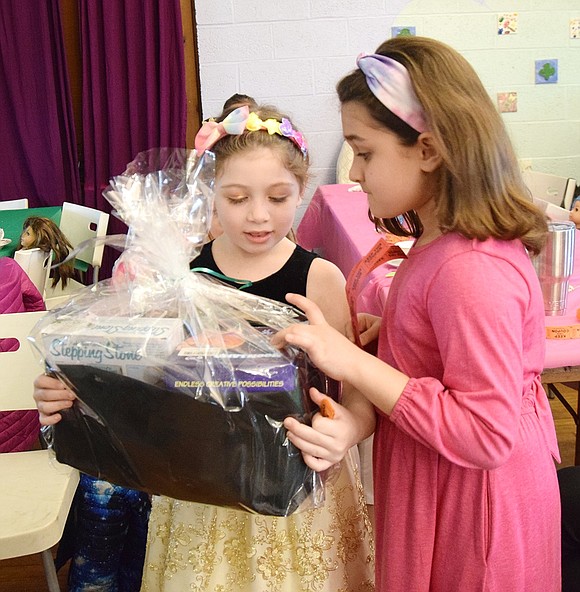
(546, 71)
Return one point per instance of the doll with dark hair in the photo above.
(46, 235)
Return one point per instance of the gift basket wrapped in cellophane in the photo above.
(179, 391)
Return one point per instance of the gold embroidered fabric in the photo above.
(199, 548)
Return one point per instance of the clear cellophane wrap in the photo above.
(179, 390)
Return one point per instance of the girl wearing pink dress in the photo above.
(466, 495)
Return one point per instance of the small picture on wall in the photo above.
(507, 102)
(575, 28)
(507, 23)
(546, 71)
(406, 31)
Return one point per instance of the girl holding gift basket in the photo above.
(261, 173)
(466, 495)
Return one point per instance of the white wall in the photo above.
(291, 53)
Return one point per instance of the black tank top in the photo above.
(291, 277)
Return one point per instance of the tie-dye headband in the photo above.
(389, 81)
(240, 120)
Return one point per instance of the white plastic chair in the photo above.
(14, 204)
(37, 491)
(81, 223)
(551, 188)
(36, 264)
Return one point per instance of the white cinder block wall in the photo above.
(291, 53)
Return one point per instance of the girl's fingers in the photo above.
(301, 431)
(312, 311)
(316, 464)
(48, 420)
(49, 412)
(316, 395)
(304, 437)
(49, 383)
(51, 407)
(53, 396)
(314, 456)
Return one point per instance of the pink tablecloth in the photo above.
(337, 225)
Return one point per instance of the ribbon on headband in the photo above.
(391, 84)
(240, 120)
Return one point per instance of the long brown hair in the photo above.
(481, 192)
(48, 236)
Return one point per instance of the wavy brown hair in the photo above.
(50, 237)
(481, 193)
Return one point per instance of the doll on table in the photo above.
(46, 235)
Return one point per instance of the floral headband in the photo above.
(240, 120)
(389, 81)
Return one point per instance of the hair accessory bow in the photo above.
(391, 84)
(240, 120)
(212, 131)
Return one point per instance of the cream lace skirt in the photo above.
(201, 548)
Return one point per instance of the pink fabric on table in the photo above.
(336, 223)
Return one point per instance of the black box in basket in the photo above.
(211, 431)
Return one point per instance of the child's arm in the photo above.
(355, 420)
(340, 359)
(471, 415)
(51, 396)
(326, 287)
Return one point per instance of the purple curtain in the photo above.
(134, 94)
(133, 85)
(38, 156)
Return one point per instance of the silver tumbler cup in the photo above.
(554, 266)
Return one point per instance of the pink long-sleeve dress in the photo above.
(466, 495)
(19, 430)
